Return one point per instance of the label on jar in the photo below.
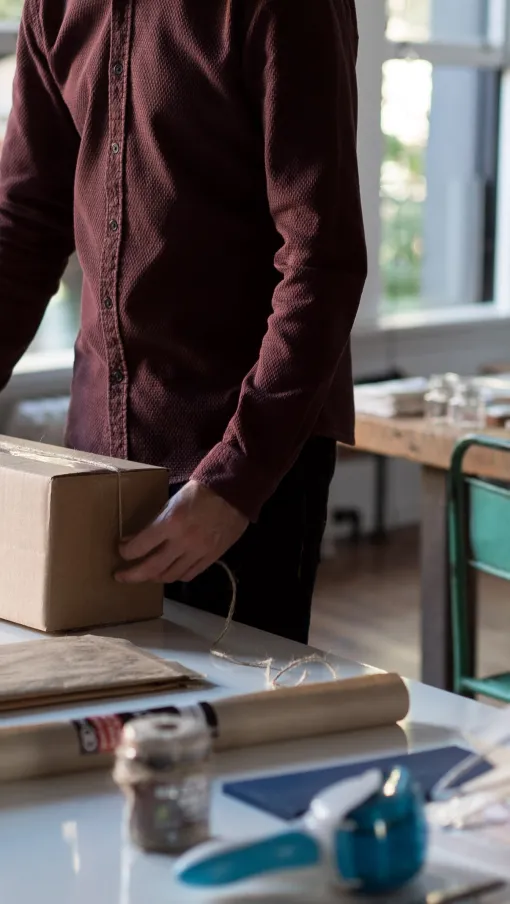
(102, 734)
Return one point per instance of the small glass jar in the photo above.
(466, 407)
(162, 766)
(440, 390)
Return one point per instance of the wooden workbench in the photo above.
(431, 447)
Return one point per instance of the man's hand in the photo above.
(194, 530)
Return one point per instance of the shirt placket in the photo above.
(109, 283)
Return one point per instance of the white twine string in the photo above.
(60, 458)
(267, 664)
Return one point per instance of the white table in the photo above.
(61, 839)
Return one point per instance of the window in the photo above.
(457, 21)
(438, 183)
(10, 9)
(434, 84)
(60, 325)
(7, 69)
(439, 68)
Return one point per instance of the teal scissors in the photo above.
(369, 833)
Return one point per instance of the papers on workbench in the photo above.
(394, 398)
(470, 818)
(487, 848)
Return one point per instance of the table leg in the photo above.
(379, 533)
(6, 410)
(436, 631)
(436, 664)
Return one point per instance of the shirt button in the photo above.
(117, 376)
(108, 303)
(113, 225)
(118, 68)
(115, 147)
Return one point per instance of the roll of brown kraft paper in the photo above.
(268, 717)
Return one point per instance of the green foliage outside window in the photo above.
(10, 9)
(402, 223)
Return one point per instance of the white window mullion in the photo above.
(460, 55)
(498, 22)
(502, 272)
(372, 27)
(505, 17)
(502, 275)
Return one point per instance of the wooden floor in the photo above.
(367, 608)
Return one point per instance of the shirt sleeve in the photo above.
(36, 196)
(300, 64)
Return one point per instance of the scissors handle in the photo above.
(217, 864)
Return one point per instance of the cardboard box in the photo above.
(60, 514)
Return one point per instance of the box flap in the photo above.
(52, 461)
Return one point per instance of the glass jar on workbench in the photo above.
(162, 766)
(466, 407)
(440, 390)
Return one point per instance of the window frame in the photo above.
(375, 50)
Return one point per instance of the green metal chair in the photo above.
(479, 531)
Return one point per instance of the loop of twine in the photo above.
(60, 458)
(267, 664)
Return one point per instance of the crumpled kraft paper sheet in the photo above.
(62, 670)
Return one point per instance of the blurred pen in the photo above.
(468, 893)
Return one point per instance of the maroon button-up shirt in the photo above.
(200, 155)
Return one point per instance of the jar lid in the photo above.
(162, 742)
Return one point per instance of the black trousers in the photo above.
(276, 561)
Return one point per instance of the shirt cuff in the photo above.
(229, 473)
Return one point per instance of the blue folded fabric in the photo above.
(289, 796)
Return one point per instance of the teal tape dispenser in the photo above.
(369, 835)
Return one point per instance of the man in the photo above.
(200, 155)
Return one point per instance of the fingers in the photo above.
(164, 567)
(145, 542)
(195, 570)
(183, 569)
(151, 567)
